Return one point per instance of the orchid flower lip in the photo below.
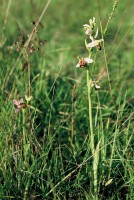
(83, 62)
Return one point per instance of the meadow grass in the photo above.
(69, 141)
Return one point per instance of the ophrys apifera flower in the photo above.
(83, 62)
(19, 104)
(94, 43)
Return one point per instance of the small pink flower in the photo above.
(83, 62)
(18, 104)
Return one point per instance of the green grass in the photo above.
(45, 150)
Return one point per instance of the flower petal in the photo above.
(28, 98)
(88, 32)
(91, 37)
(21, 101)
(92, 44)
(97, 87)
(88, 60)
(96, 34)
(78, 65)
(90, 21)
(15, 102)
(87, 26)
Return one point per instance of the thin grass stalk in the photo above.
(113, 150)
(29, 94)
(102, 137)
(73, 113)
(26, 143)
(29, 174)
(110, 16)
(26, 43)
(29, 86)
(105, 58)
(24, 134)
(6, 16)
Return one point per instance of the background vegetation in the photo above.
(45, 151)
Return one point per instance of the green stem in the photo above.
(110, 16)
(90, 113)
(91, 136)
(26, 144)
(24, 135)
(29, 94)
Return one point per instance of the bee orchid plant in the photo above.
(91, 42)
